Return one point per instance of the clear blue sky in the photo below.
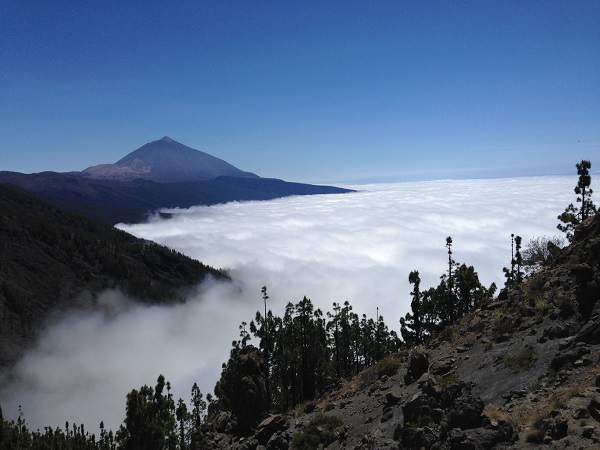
(324, 90)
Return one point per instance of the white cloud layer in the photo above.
(358, 246)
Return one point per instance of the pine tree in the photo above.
(518, 260)
(411, 326)
(574, 215)
(183, 417)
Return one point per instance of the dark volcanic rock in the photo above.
(418, 364)
(269, 426)
(466, 412)
(590, 332)
(480, 438)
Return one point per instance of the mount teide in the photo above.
(160, 174)
(166, 160)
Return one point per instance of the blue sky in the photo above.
(317, 91)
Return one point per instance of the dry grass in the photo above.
(561, 397)
(388, 366)
(527, 416)
(541, 305)
(494, 412)
(302, 408)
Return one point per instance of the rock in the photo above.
(442, 368)
(581, 413)
(480, 438)
(588, 431)
(556, 331)
(271, 425)
(417, 437)
(466, 413)
(279, 441)
(388, 413)
(568, 357)
(250, 444)
(501, 337)
(418, 364)
(566, 343)
(224, 422)
(392, 398)
(590, 332)
(556, 428)
(594, 409)
(422, 410)
(461, 349)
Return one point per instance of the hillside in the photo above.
(522, 372)
(49, 258)
(160, 174)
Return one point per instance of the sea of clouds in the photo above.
(358, 247)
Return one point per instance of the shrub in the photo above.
(303, 408)
(494, 412)
(388, 366)
(521, 359)
(541, 305)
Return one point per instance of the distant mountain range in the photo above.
(160, 174)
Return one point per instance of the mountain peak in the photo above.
(166, 160)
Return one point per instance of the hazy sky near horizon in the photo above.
(315, 91)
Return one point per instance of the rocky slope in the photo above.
(523, 372)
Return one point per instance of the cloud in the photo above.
(358, 247)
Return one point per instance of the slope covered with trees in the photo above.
(48, 257)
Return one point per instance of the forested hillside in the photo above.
(48, 257)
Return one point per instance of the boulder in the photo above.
(418, 364)
(269, 426)
(480, 438)
(421, 410)
(569, 357)
(416, 438)
(279, 441)
(466, 412)
(590, 332)
(224, 422)
(594, 409)
(441, 368)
